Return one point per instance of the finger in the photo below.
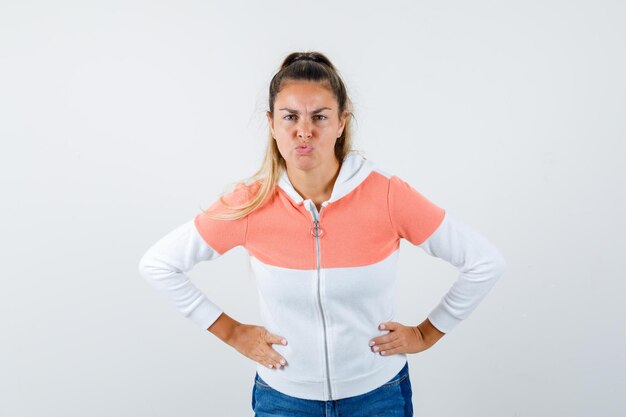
(274, 358)
(389, 337)
(392, 351)
(274, 362)
(387, 346)
(278, 360)
(277, 340)
(388, 325)
(263, 353)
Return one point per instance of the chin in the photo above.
(303, 161)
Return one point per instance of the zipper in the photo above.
(316, 232)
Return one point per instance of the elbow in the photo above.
(488, 267)
(498, 263)
(147, 266)
(155, 267)
(144, 266)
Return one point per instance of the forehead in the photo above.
(305, 94)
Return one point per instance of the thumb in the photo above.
(273, 339)
(388, 325)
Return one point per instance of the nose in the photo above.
(304, 130)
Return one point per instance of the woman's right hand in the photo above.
(255, 343)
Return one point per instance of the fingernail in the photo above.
(372, 343)
(282, 361)
(284, 342)
(376, 348)
(382, 326)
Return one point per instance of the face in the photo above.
(306, 124)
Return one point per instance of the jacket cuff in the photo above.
(205, 314)
(442, 319)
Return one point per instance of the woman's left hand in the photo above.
(405, 339)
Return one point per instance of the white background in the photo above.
(120, 119)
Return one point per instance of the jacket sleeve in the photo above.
(440, 234)
(165, 264)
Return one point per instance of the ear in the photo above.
(342, 122)
(270, 121)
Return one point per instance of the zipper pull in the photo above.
(316, 231)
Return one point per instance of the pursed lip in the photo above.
(304, 148)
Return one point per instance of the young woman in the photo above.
(322, 225)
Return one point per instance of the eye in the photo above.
(289, 116)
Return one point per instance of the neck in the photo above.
(317, 183)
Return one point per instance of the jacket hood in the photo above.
(355, 167)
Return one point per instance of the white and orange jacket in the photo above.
(326, 280)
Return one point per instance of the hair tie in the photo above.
(305, 58)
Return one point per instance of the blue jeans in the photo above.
(392, 399)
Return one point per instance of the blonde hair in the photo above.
(297, 66)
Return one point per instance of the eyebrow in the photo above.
(314, 111)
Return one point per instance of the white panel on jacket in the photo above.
(480, 265)
(164, 266)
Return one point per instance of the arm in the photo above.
(164, 267)
(430, 334)
(480, 265)
(165, 264)
(440, 234)
(224, 328)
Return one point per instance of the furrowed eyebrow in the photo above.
(313, 112)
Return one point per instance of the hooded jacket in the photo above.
(326, 279)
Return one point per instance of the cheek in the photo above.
(283, 128)
(282, 144)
